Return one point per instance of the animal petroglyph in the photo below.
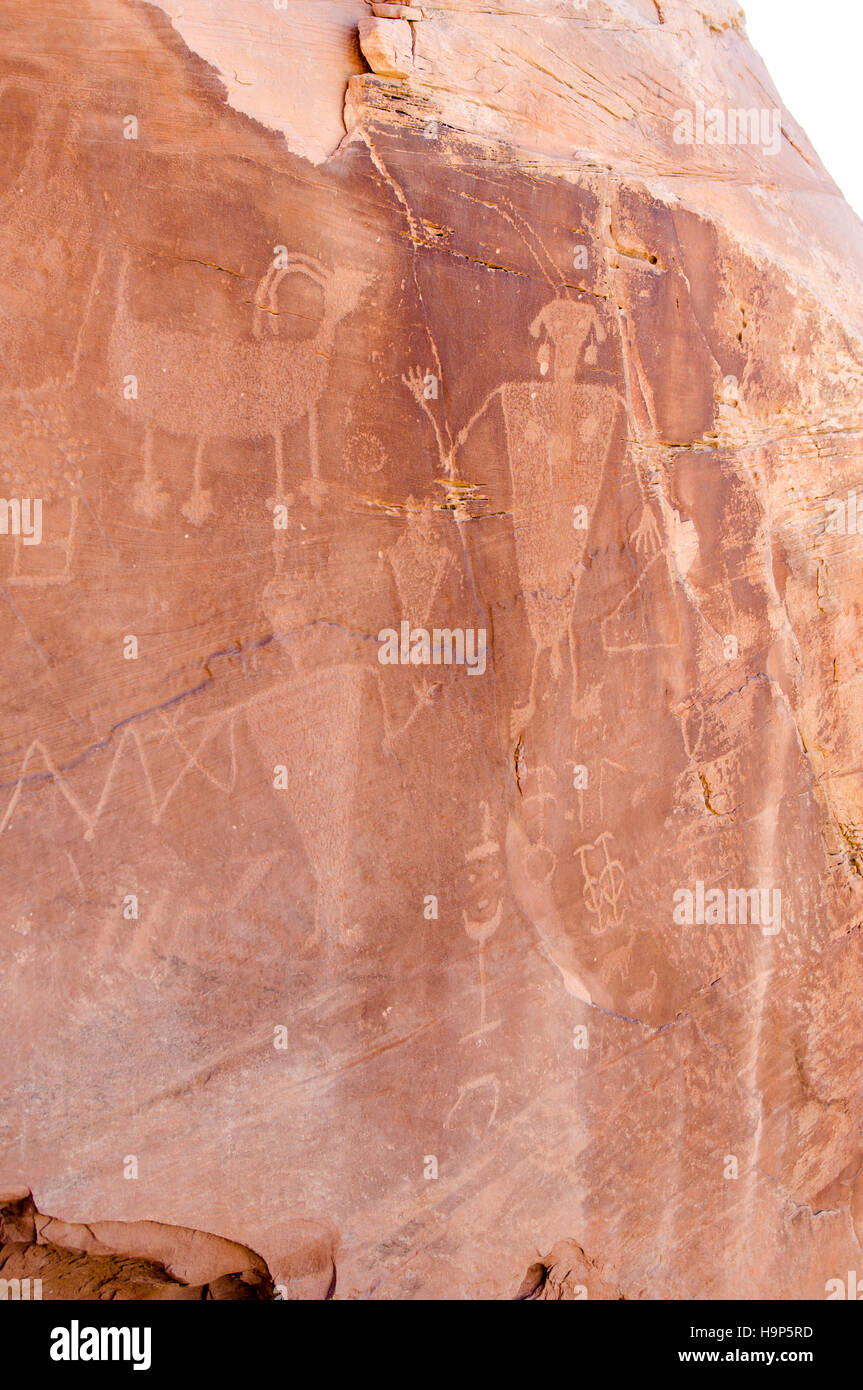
(249, 389)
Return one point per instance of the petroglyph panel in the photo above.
(388, 945)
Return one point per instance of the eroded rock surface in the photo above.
(120, 1260)
(384, 966)
(564, 1275)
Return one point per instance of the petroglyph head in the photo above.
(568, 325)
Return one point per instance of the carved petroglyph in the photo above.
(484, 910)
(42, 256)
(559, 435)
(603, 882)
(532, 864)
(312, 727)
(425, 387)
(482, 888)
(490, 1082)
(42, 259)
(158, 728)
(250, 389)
(420, 563)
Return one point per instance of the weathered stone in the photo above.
(387, 46)
(408, 969)
(119, 1260)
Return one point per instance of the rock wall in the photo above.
(545, 957)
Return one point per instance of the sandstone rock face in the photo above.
(410, 976)
(120, 1260)
(566, 1275)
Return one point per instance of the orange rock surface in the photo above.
(431, 816)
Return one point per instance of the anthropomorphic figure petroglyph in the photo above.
(483, 905)
(481, 899)
(46, 258)
(560, 430)
(312, 677)
(57, 268)
(419, 563)
(311, 723)
(559, 435)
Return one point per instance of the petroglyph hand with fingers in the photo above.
(647, 537)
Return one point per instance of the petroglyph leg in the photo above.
(314, 488)
(150, 500)
(198, 508)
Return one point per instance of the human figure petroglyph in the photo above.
(310, 721)
(419, 562)
(247, 389)
(559, 435)
(313, 728)
(51, 266)
(483, 911)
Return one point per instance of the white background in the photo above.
(813, 50)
